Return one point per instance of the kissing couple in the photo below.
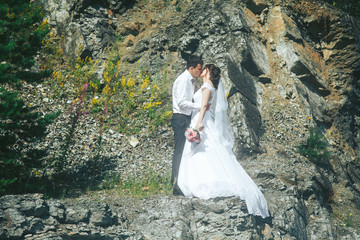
(207, 169)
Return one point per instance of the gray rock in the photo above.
(141, 46)
(9, 201)
(257, 6)
(257, 62)
(102, 216)
(77, 214)
(84, 24)
(118, 5)
(35, 208)
(57, 210)
(14, 216)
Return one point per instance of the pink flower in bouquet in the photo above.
(192, 135)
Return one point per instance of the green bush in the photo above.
(21, 35)
(133, 101)
(21, 127)
(315, 148)
(350, 6)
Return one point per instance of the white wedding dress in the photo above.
(210, 169)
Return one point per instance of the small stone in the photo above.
(134, 141)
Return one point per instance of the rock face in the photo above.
(32, 217)
(287, 65)
(87, 26)
(286, 45)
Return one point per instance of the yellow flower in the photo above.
(106, 74)
(151, 104)
(308, 118)
(59, 51)
(94, 86)
(156, 87)
(130, 82)
(95, 101)
(45, 22)
(10, 15)
(145, 83)
(148, 105)
(123, 81)
(107, 90)
(166, 114)
(37, 173)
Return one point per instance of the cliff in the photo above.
(289, 66)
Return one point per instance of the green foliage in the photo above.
(133, 102)
(21, 36)
(350, 6)
(20, 126)
(151, 183)
(143, 103)
(129, 101)
(315, 148)
(344, 218)
(119, 38)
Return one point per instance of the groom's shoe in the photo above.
(177, 191)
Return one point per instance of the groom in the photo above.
(182, 93)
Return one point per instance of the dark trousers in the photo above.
(179, 123)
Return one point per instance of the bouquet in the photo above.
(192, 135)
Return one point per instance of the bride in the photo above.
(210, 169)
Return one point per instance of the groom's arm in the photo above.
(185, 93)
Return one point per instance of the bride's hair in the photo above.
(214, 74)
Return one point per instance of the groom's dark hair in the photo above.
(193, 61)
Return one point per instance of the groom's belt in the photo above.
(182, 114)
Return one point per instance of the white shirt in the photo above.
(182, 93)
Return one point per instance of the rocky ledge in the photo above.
(33, 217)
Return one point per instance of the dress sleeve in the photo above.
(208, 86)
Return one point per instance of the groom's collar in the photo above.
(188, 75)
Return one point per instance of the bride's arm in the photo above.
(206, 93)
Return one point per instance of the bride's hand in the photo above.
(199, 126)
(208, 107)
